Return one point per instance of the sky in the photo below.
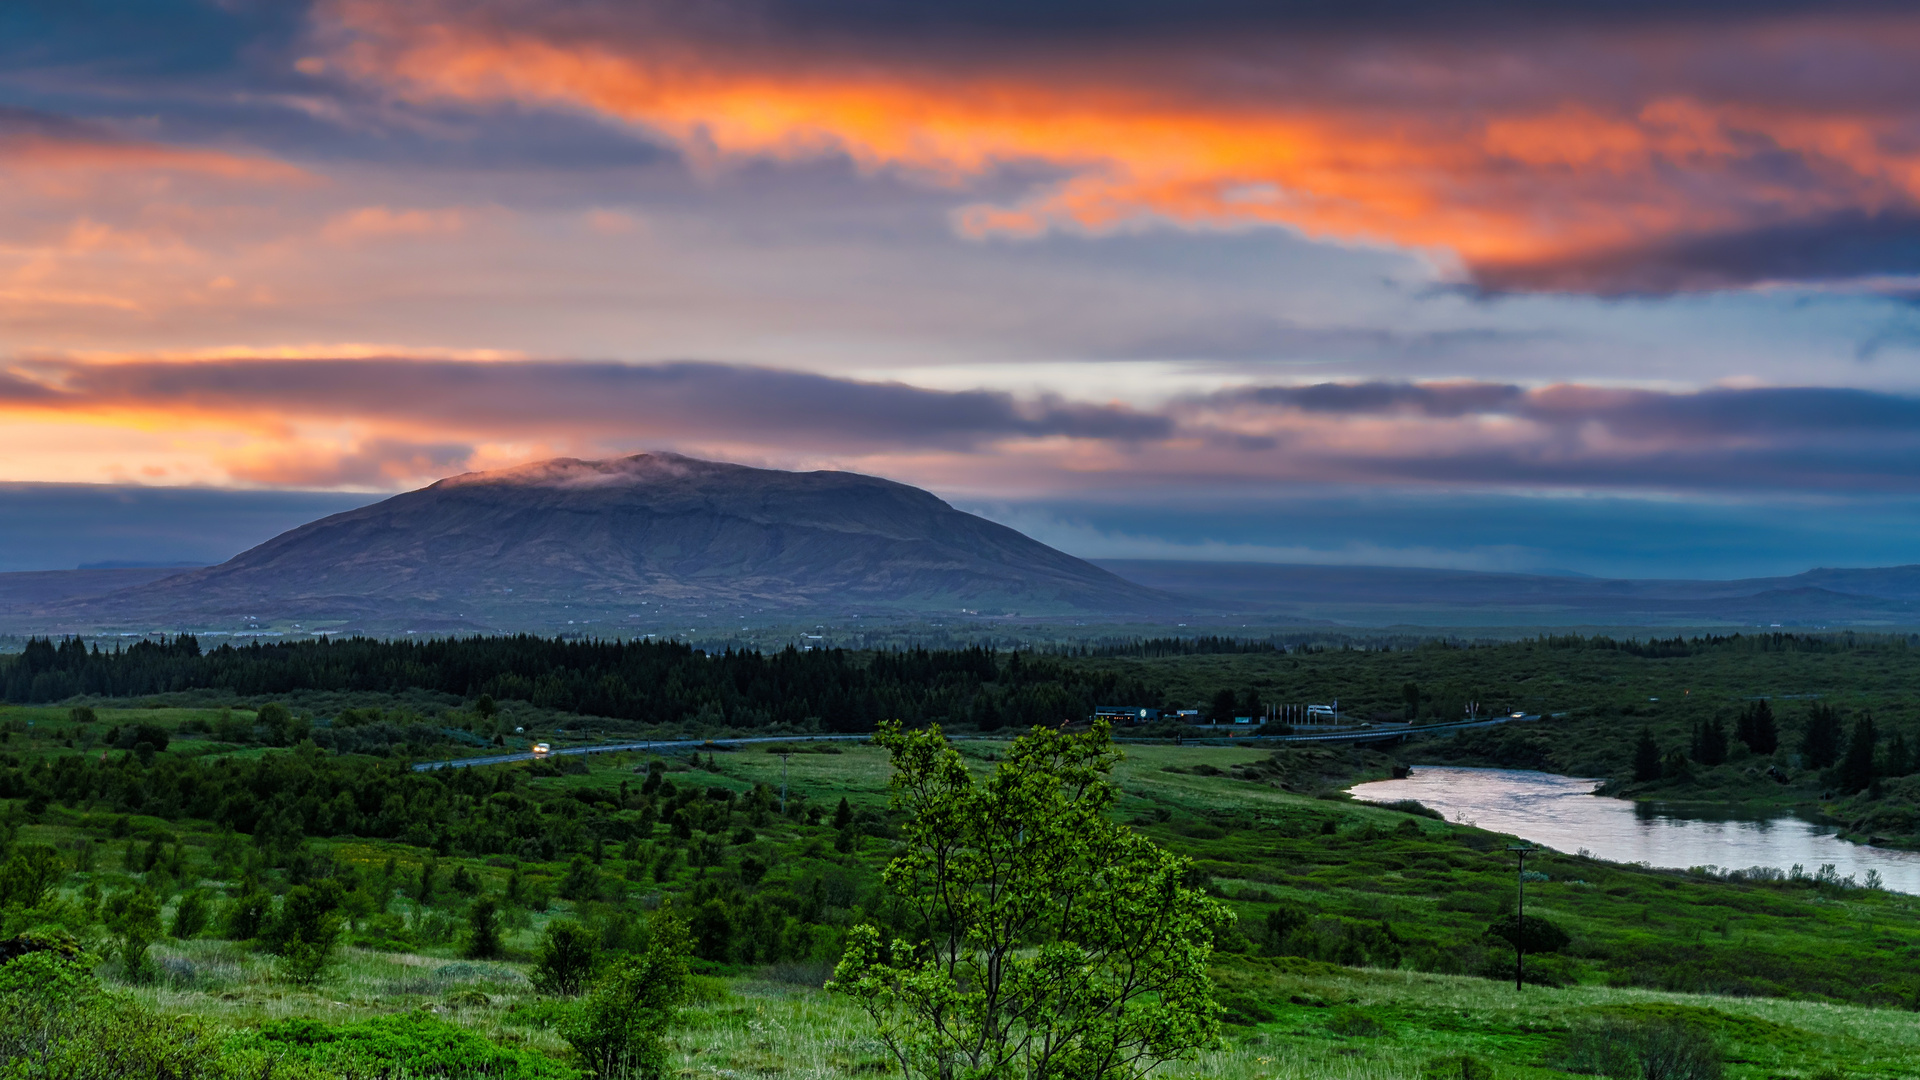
(1615, 288)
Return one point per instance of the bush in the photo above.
(134, 919)
(565, 963)
(1536, 935)
(1245, 1009)
(1409, 806)
(1355, 1023)
(133, 735)
(307, 930)
(410, 1044)
(57, 1021)
(621, 1029)
(483, 931)
(29, 875)
(582, 881)
(192, 915)
(249, 916)
(1627, 1049)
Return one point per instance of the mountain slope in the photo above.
(645, 533)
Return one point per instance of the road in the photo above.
(1369, 734)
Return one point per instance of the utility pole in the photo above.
(1520, 926)
(784, 755)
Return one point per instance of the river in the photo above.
(1562, 812)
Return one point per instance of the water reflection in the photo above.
(1563, 813)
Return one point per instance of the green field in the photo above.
(1359, 948)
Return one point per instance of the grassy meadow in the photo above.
(1359, 948)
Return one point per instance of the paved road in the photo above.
(666, 746)
(1369, 734)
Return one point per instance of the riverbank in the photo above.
(1570, 814)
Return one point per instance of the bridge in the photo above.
(1370, 734)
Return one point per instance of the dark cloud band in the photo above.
(428, 417)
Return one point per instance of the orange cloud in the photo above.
(1477, 153)
(380, 222)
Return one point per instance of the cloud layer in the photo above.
(1578, 148)
(381, 424)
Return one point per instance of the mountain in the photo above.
(1413, 596)
(637, 538)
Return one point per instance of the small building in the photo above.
(1126, 714)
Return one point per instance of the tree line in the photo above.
(1853, 757)
(641, 681)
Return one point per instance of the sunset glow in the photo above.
(1121, 253)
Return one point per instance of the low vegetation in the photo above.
(205, 883)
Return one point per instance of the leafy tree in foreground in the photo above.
(1058, 943)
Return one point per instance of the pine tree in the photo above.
(1766, 734)
(1899, 757)
(1713, 743)
(1224, 703)
(1820, 739)
(1646, 757)
(1856, 771)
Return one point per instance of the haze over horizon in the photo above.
(1622, 290)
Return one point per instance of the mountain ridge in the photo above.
(649, 530)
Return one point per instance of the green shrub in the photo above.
(29, 874)
(414, 1043)
(1355, 1023)
(1627, 1049)
(248, 916)
(483, 931)
(565, 963)
(1536, 935)
(192, 915)
(621, 1028)
(582, 881)
(307, 930)
(134, 919)
(1246, 1010)
(58, 1023)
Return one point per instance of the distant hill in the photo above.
(599, 542)
(1389, 596)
